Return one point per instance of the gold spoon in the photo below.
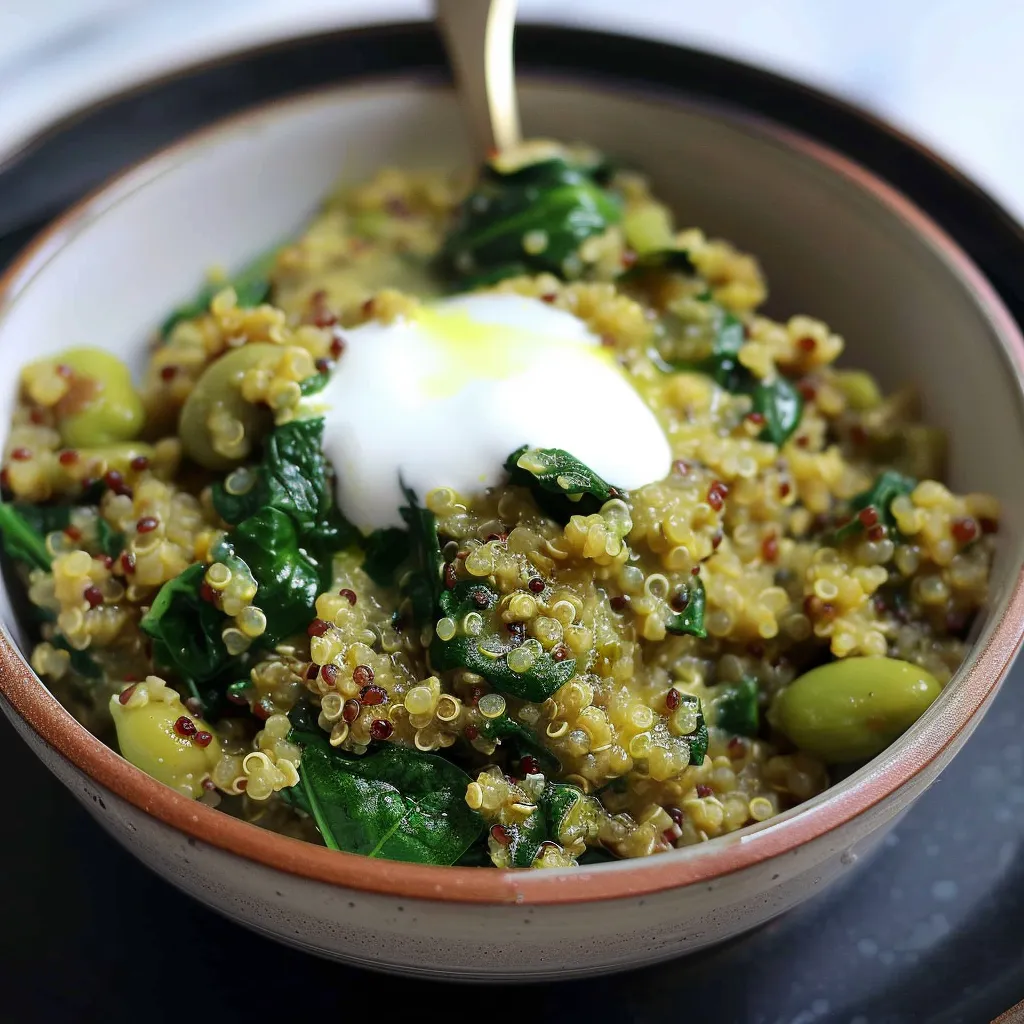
(478, 37)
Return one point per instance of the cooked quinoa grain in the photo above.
(530, 673)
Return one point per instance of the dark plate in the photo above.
(931, 930)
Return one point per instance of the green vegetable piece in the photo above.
(315, 384)
(218, 393)
(713, 348)
(528, 219)
(537, 684)
(397, 803)
(288, 581)
(386, 550)
(781, 405)
(561, 484)
(423, 586)
(251, 284)
(294, 477)
(596, 855)
(648, 228)
(554, 805)
(735, 708)
(663, 261)
(487, 653)
(522, 740)
(690, 621)
(148, 739)
(101, 405)
(888, 486)
(24, 529)
(477, 856)
(186, 630)
(699, 738)
(111, 541)
(851, 710)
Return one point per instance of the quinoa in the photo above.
(792, 572)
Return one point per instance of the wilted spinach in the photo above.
(386, 549)
(736, 709)
(544, 825)
(717, 355)
(287, 580)
(522, 740)
(396, 803)
(25, 528)
(690, 620)
(888, 486)
(561, 485)
(251, 284)
(658, 261)
(486, 653)
(295, 477)
(698, 739)
(186, 630)
(528, 220)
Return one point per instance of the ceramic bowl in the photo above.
(835, 241)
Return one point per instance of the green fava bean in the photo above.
(851, 710)
(217, 396)
(147, 737)
(101, 405)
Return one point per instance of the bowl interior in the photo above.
(907, 303)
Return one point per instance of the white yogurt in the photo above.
(443, 398)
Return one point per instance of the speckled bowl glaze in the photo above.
(835, 241)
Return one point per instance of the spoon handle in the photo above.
(478, 36)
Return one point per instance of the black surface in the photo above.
(931, 930)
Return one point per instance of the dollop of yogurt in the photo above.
(443, 397)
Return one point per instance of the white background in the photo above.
(951, 71)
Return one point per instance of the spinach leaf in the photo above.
(386, 549)
(561, 484)
(888, 486)
(659, 261)
(522, 740)
(287, 580)
(690, 621)
(186, 630)
(251, 284)
(315, 384)
(781, 405)
(24, 527)
(486, 653)
(536, 685)
(111, 541)
(24, 530)
(698, 739)
(596, 855)
(713, 348)
(528, 220)
(397, 803)
(477, 856)
(294, 477)
(544, 825)
(423, 586)
(736, 709)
